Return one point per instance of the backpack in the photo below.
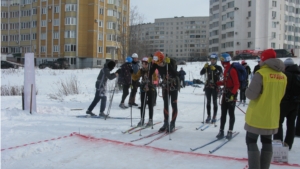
(296, 87)
(242, 74)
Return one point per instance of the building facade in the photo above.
(85, 32)
(182, 38)
(237, 25)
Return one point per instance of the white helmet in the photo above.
(134, 55)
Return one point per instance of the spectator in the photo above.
(181, 77)
(243, 89)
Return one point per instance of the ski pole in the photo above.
(240, 109)
(168, 92)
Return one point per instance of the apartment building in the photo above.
(182, 38)
(85, 32)
(237, 25)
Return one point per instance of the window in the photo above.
(273, 14)
(100, 23)
(43, 23)
(273, 45)
(274, 24)
(274, 35)
(249, 44)
(44, 10)
(56, 35)
(56, 22)
(70, 34)
(274, 3)
(249, 13)
(101, 11)
(111, 25)
(55, 48)
(110, 12)
(43, 49)
(70, 21)
(56, 9)
(110, 1)
(249, 3)
(249, 34)
(100, 49)
(100, 36)
(70, 48)
(34, 11)
(33, 36)
(71, 7)
(110, 37)
(43, 36)
(34, 23)
(249, 24)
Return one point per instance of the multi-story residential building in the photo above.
(179, 37)
(237, 25)
(86, 32)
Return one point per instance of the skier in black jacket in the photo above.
(213, 73)
(243, 89)
(181, 76)
(101, 87)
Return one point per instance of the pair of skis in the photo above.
(137, 128)
(103, 117)
(225, 141)
(161, 135)
(204, 126)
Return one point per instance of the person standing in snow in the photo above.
(170, 87)
(265, 92)
(231, 85)
(125, 79)
(101, 87)
(181, 77)
(243, 89)
(213, 73)
(257, 66)
(288, 105)
(147, 91)
(134, 82)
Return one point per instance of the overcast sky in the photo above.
(153, 9)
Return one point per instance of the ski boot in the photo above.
(213, 120)
(244, 103)
(229, 135)
(164, 127)
(122, 105)
(171, 128)
(101, 114)
(141, 123)
(90, 113)
(208, 119)
(220, 135)
(150, 123)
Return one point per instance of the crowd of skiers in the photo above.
(271, 93)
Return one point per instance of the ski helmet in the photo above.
(225, 57)
(134, 55)
(145, 59)
(158, 57)
(214, 56)
(128, 59)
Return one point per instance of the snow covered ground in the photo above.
(53, 137)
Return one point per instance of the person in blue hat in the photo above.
(125, 79)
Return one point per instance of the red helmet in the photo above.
(243, 62)
(158, 57)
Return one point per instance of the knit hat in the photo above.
(111, 65)
(267, 54)
(243, 62)
(288, 62)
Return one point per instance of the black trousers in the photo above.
(97, 98)
(211, 93)
(173, 95)
(125, 92)
(133, 91)
(147, 98)
(227, 107)
(288, 110)
(298, 122)
(243, 94)
(182, 82)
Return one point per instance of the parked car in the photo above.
(243, 56)
(7, 65)
(60, 63)
(282, 53)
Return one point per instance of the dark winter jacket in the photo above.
(289, 71)
(256, 68)
(135, 68)
(248, 70)
(182, 74)
(125, 75)
(212, 75)
(102, 78)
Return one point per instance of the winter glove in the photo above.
(212, 68)
(229, 97)
(167, 60)
(206, 65)
(149, 59)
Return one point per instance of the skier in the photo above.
(170, 87)
(147, 91)
(231, 86)
(288, 105)
(243, 89)
(265, 93)
(101, 87)
(125, 79)
(213, 73)
(181, 75)
(134, 82)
